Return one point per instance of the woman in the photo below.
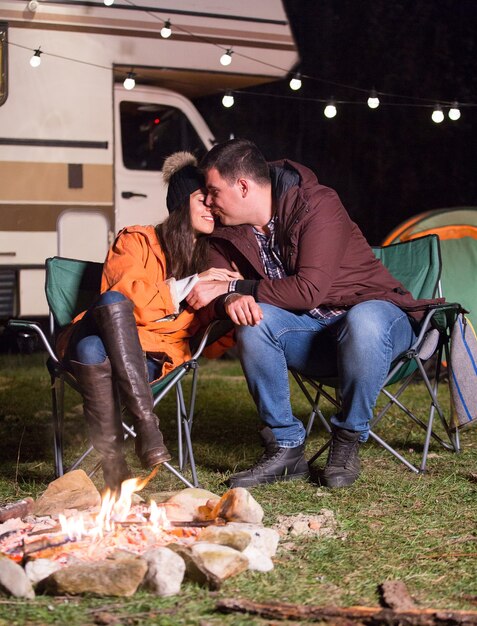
(147, 273)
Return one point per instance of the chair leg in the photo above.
(57, 404)
(186, 418)
(180, 447)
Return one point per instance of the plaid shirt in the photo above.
(270, 255)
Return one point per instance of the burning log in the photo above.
(22, 508)
(45, 543)
(369, 616)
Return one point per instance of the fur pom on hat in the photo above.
(181, 173)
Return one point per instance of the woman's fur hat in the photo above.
(181, 173)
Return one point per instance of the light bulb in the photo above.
(129, 82)
(36, 59)
(373, 100)
(437, 114)
(226, 58)
(295, 82)
(454, 112)
(228, 100)
(108, 3)
(330, 110)
(166, 30)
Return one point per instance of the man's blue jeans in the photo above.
(357, 346)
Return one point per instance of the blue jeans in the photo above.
(357, 346)
(86, 345)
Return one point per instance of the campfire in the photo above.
(212, 537)
(119, 525)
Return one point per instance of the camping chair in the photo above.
(71, 287)
(417, 265)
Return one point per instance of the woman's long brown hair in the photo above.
(185, 254)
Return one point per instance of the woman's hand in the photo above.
(217, 273)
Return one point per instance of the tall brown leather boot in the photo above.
(119, 334)
(103, 417)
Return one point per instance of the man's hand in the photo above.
(219, 273)
(205, 291)
(243, 310)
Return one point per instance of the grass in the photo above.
(397, 525)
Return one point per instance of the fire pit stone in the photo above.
(73, 490)
(113, 549)
(165, 572)
(111, 577)
(13, 580)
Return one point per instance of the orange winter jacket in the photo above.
(136, 267)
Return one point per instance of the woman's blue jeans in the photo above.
(357, 346)
(86, 345)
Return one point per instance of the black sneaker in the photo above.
(275, 464)
(343, 466)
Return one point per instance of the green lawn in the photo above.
(420, 529)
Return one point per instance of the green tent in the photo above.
(457, 230)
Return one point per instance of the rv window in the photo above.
(3, 62)
(151, 132)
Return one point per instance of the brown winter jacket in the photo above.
(325, 255)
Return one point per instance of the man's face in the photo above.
(223, 199)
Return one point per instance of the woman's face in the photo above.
(200, 215)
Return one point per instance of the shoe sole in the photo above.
(152, 459)
(266, 481)
(337, 482)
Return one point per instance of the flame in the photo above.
(158, 518)
(114, 510)
(73, 527)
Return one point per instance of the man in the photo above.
(313, 298)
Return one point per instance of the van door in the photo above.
(150, 124)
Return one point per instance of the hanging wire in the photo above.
(416, 101)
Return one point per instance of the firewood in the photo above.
(369, 616)
(21, 509)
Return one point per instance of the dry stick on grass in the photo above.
(369, 616)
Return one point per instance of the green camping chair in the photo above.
(71, 287)
(417, 265)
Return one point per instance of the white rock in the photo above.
(13, 580)
(39, 569)
(257, 560)
(264, 539)
(165, 571)
(217, 562)
(184, 505)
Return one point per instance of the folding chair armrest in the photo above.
(443, 316)
(33, 326)
(214, 331)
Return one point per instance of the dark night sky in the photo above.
(386, 164)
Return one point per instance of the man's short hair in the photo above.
(236, 158)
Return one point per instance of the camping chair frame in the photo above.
(160, 388)
(432, 342)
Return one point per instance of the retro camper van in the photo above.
(80, 155)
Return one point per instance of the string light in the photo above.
(454, 112)
(166, 30)
(295, 82)
(226, 58)
(108, 3)
(437, 114)
(228, 100)
(330, 110)
(36, 59)
(373, 100)
(129, 82)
